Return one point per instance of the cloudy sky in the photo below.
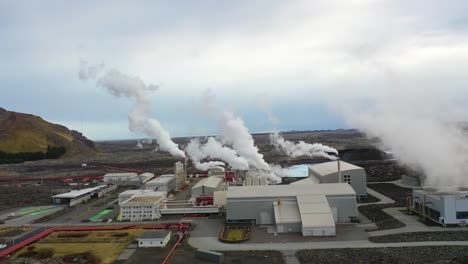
(309, 62)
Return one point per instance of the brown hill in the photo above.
(29, 133)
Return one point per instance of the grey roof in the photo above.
(211, 182)
(155, 234)
(327, 168)
(121, 174)
(289, 190)
(77, 193)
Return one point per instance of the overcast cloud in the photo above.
(307, 57)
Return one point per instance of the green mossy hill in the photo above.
(29, 137)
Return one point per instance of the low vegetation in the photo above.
(422, 236)
(20, 157)
(94, 247)
(401, 255)
(392, 191)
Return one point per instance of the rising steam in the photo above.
(418, 132)
(302, 148)
(213, 149)
(236, 134)
(122, 85)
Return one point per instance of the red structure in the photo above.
(180, 227)
(204, 200)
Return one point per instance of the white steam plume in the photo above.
(265, 106)
(302, 148)
(236, 134)
(139, 145)
(122, 85)
(420, 133)
(215, 150)
(89, 72)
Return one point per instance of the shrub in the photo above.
(120, 234)
(45, 253)
(74, 234)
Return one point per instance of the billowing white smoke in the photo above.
(418, 132)
(302, 148)
(122, 85)
(139, 145)
(215, 150)
(236, 134)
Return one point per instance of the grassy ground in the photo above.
(402, 255)
(11, 231)
(107, 245)
(422, 236)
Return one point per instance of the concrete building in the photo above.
(312, 209)
(141, 207)
(444, 208)
(75, 197)
(124, 196)
(180, 175)
(327, 172)
(164, 183)
(154, 239)
(127, 178)
(208, 186)
(254, 180)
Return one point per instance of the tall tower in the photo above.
(180, 175)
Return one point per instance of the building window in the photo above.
(462, 215)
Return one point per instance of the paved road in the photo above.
(213, 244)
(24, 236)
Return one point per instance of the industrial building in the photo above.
(180, 175)
(328, 172)
(141, 207)
(444, 208)
(208, 186)
(254, 180)
(154, 239)
(124, 196)
(165, 182)
(312, 209)
(75, 197)
(127, 178)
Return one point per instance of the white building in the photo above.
(124, 196)
(443, 208)
(75, 197)
(180, 175)
(141, 207)
(312, 209)
(127, 178)
(254, 180)
(154, 239)
(208, 186)
(327, 172)
(164, 183)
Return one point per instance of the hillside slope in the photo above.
(28, 133)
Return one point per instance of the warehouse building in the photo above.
(154, 239)
(327, 172)
(141, 208)
(444, 208)
(208, 186)
(124, 196)
(165, 182)
(75, 197)
(312, 209)
(127, 178)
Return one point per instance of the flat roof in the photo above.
(143, 199)
(309, 180)
(211, 182)
(137, 192)
(147, 174)
(330, 167)
(160, 180)
(121, 174)
(219, 197)
(77, 193)
(289, 190)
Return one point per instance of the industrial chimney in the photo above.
(339, 170)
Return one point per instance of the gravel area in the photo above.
(402, 255)
(370, 199)
(375, 213)
(395, 192)
(422, 236)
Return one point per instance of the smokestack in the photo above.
(339, 170)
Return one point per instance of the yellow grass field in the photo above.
(104, 244)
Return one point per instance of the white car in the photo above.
(3, 245)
